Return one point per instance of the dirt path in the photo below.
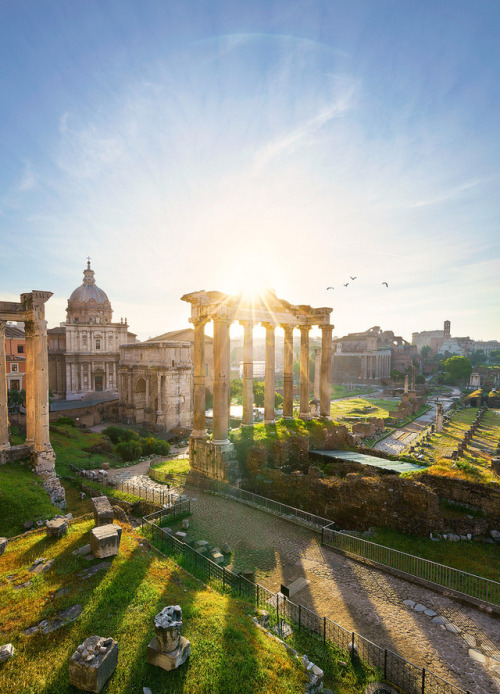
(356, 597)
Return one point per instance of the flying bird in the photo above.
(385, 284)
(346, 285)
(353, 278)
(329, 288)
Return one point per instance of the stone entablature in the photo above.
(270, 312)
(156, 384)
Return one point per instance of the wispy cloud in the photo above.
(302, 133)
(448, 195)
(29, 179)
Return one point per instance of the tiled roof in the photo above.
(12, 332)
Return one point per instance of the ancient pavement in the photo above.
(356, 597)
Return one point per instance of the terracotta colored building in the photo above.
(15, 349)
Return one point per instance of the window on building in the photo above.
(98, 344)
(14, 368)
(14, 385)
(20, 349)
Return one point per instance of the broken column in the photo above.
(103, 513)
(105, 540)
(56, 527)
(169, 649)
(93, 663)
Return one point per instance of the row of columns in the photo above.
(222, 375)
(37, 389)
(376, 366)
(76, 372)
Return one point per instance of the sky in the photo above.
(226, 145)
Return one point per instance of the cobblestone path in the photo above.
(358, 598)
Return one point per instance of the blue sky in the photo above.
(219, 145)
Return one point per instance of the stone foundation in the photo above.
(214, 460)
(93, 663)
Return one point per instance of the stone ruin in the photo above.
(93, 663)
(169, 649)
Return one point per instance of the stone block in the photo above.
(201, 543)
(103, 512)
(93, 663)
(3, 544)
(225, 549)
(185, 524)
(6, 652)
(57, 527)
(172, 659)
(217, 557)
(105, 540)
(262, 618)
(181, 536)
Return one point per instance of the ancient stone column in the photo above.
(221, 380)
(44, 453)
(304, 411)
(247, 374)
(148, 400)
(4, 410)
(199, 425)
(406, 384)
(317, 373)
(288, 372)
(129, 391)
(270, 377)
(326, 371)
(439, 418)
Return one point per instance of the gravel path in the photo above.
(356, 597)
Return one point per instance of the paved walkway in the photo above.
(356, 597)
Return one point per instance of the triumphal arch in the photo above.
(31, 311)
(215, 457)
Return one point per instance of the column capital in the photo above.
(287, 327)
(198, 322)
(268, 326)
(304, 328)
(326, 328)
(247, 323)
(223, 319)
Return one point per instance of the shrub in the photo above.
(62, 421)
(128, 450)
(467, 468)
(152, 446)
(117, 434)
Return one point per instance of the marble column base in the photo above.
(171, 660)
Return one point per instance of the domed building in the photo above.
(85, 350)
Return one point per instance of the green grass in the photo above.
(474, 464)
(178, 466)
(341, 674)
(73, 446)
(229, 653)
(267, 435)
(22, 498)
(341, 391)
(477, 558)
(362, 408)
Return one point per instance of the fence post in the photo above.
(324, 629)
(385, 663)
(423, 680)
(258, 600)
(300, 610)
(223, 580)
(322, 535)
(278, 613)
(352, 645)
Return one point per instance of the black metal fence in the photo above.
(481, 589)
(400, 672)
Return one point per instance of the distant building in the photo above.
(367, 356)
(15, 353)
(156, 384)
(84, 352)
(441, 341)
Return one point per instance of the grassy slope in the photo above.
(22, 498)
(477, 558)
(347, 408)
(71, 445)
(175, 466)
(228, 653)
(478, 453)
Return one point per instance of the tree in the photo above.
(477, 357)
(458, 369)
(278, 399)
(425, 351)
(420, 379)
(396, 375)
(15, 398)
(494, 356)
(258, 393)
(237, 390)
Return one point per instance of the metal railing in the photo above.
(470, 585)
(400, 672)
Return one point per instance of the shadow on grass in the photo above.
(105, 609)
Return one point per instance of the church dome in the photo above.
(89, 303)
